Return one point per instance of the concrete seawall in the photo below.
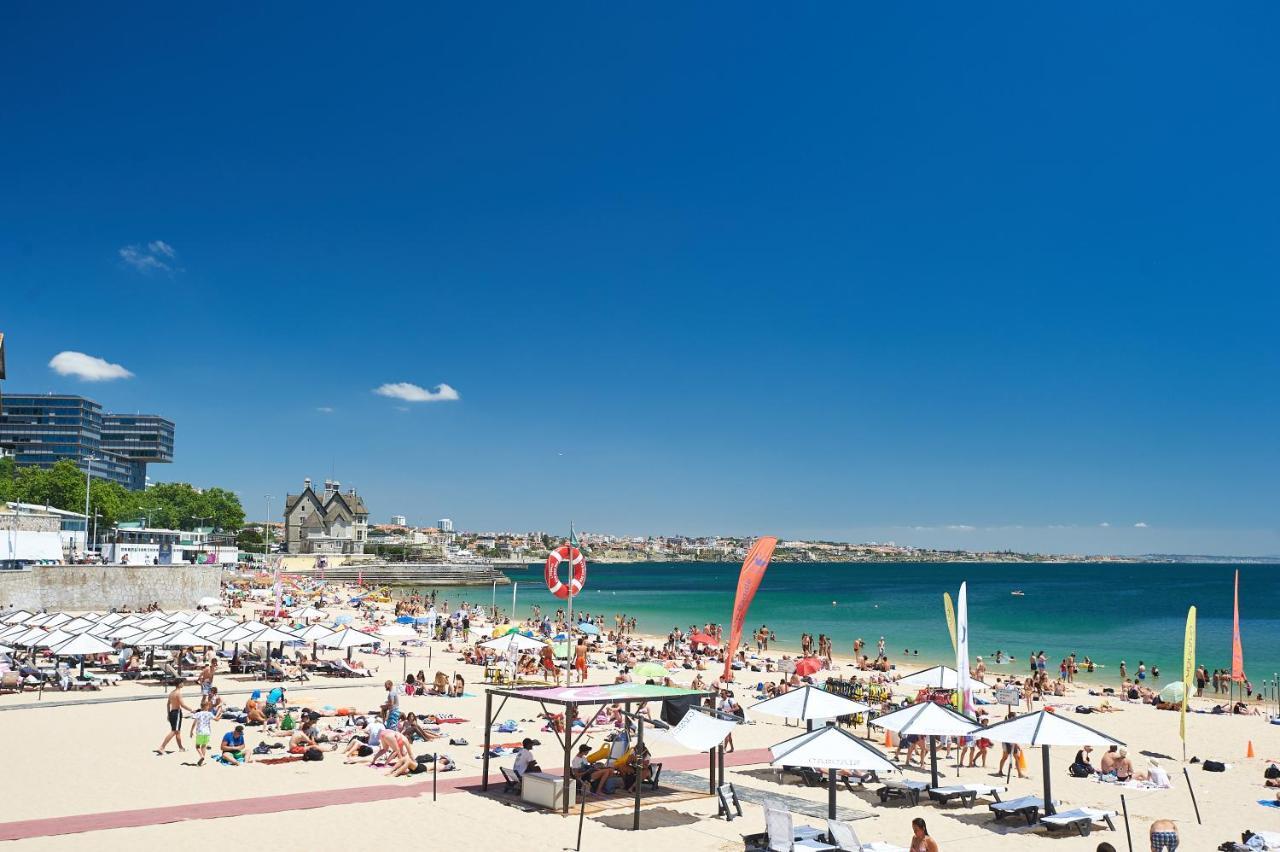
(85, 587)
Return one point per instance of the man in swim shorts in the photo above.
(173, 712)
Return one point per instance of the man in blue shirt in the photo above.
(233, 751)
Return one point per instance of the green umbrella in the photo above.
(561, 649)
(648, 670)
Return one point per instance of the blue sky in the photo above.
(973, 278)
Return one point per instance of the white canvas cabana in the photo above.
(928, 719)
(1045, 729)
(830, 748)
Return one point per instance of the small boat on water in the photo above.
(1018, 593)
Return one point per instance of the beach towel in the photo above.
(1269, 803)
(272, 761)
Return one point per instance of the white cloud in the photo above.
(324, 409)
(153, 257)
(1142, 525)
(960, 527)
(410, 392)
(87, 367)
(1104, 524)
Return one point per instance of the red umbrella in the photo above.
(703, 639)
(808, 666)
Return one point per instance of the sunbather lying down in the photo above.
(410, 765)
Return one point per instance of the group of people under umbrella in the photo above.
(826, 746)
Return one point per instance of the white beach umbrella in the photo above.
(184, 638)
(1045, 729)
(82, 643)
(832, 749)
(209, 630)
(16, 617)
(516, 641)
(57, 620)
(149, 638)
(269, 635)
(940, 677)
(91, 616)
(13, 630)
(348, 638)
(39, 620)
(27, 637)
(227, 622)
(200, 618)
(76, 625)
(929, 719)
(130, 619)
(809, 703)
(308, 612)
(5, 649)
(397, 631)
(155, 622)
(111, 618)
(99, 630)
(241, 631)
(128, 630)
(313, 633)
(54, 637)
(179, 617)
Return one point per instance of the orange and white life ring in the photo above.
(578, 577)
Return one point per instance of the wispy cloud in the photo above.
(324, 409)
(155, 256)
(1142, 525)
(87, 367)
(961, 527)
(1104, 524)
(410, 392)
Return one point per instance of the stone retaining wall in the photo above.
(100, 587)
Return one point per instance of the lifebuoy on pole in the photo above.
(577, 574)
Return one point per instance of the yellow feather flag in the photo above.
(1188, 673)
(951, 618)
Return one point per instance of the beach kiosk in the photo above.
(568, 700)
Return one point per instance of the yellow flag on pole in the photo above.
(951, 618)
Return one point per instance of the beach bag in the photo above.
(1022, 762)
(1078, 770)
(1214, 766)
(287, 724)
(1272, 771)
(313, 754)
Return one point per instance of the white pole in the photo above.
(568, 644)
(88, 475)
(515, 584)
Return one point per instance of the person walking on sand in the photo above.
(174, 707)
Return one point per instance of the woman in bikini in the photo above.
(920, 839)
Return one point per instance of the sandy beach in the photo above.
(83, 763)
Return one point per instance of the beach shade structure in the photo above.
(76, 625)
(808, 666)
(184, 638)
(124, 633)
(1045, 729)
(588, 628)
(397, 631)
(99, 630)
(650, 670)
(153, 623)
(308, 612)
(16, 617)
(53, 637)
(111, 618)
(268, 635)
(513, 641)
(809, 703)
(38, 620)
(405, 619)
(81, 644)
(57, 620)
(560, 649)
(313, 633)
(349, 638)
(830, 748)
(13, 630)
(200, 618)
(1172, 692)
(28, 637)
(703, 639)
(5, 649)
(931, 720)
(210, 629)
(343, 619)
(940, 677)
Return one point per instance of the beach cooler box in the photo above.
(546, 791)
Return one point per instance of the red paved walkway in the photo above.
(79, 823)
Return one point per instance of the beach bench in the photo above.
(1027, 807)
(902, 789)
(844, 838)
(966, 793)
(1080, 819)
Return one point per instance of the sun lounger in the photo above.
(902, 789)
(1081, 819)
(966, 793)
(842, 835)
(350, 671)
(1027, 807)
(511, 781)
(785, 836)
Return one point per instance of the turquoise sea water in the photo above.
(1108, 611)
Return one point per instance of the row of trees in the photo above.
(172, 505)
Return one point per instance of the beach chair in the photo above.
(902, 789)
(785, 836)
(844, 838)
(1080, 819)
(966, 793)
(1027, 807)
(511, 781)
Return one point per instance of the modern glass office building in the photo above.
(42, 429)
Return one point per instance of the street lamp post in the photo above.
(266, 533)
(88, 475)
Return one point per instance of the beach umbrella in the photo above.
(184, 638)
(39, 620)
(832, 749)
(1172, 692)
(200, 618)
(153, 623)
(99, 630)
(149, 638)
(16, 617)
(13, 630)
(561, 650)
(54, 637)
(28, 637)
(111, 618)
(211, 629)
(809, 704)
(124, 632)
(314, 633)
(80, 645)
(405, 619)
(940, 677)
(76, 625)
(57, 620)
(808, 666)
(349, 638)
(648, 670)
(515, 641)
(1045, 729)
(225, 622)
(5, 649)
(179, 617)
(588, 628)
(930, 719)
(397, 631)
(703, 639)
(343, 619)
(308, 612)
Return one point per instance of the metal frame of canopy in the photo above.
(573, 697)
